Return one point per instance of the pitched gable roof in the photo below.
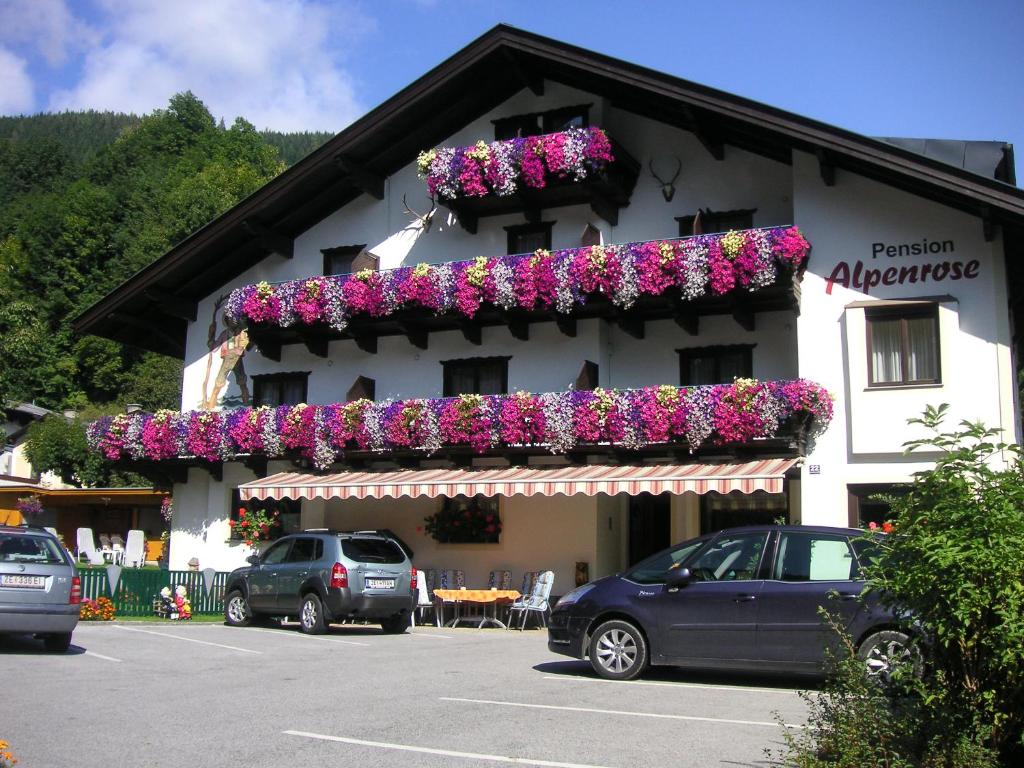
(150, 308)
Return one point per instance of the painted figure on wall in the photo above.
(228, 347)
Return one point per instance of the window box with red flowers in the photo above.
(464, 520)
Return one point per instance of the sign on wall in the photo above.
(904, 264)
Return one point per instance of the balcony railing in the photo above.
(738, 273)
(572, 167)
(666, 418)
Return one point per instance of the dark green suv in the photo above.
(324, 576)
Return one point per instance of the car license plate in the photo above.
(380, 583)
(17, 580)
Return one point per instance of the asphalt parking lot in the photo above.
(144, 694)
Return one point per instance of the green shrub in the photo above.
(953, 565)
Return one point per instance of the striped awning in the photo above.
(587, 479)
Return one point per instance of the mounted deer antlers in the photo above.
(668, 188)
(424, 218)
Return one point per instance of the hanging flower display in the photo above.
(746, 410)
(30, 507)
(167, 508)
(465, 521)
(560, 281)
(503, 168)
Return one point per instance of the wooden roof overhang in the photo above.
(150, 309)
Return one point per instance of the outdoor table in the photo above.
(482, 597)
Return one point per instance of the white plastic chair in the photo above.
(424, 600)
(135, 549)
(85, 545)
(536, 602)
(117, 545)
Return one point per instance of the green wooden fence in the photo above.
(138, 588)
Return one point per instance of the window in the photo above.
(305, 551)
(276, 389)
(372, 551)
(868, 503)
(534, 123)
(289, 512)
(814, 557)
(338, 261)
(903, 345)
(718, 511)
(276, 554)
(476, 376)
(654, 570)
(708, 221)
(730, 558)
(715, 365)
(527, 238)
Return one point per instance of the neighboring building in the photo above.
(66, 508)
(906, 300)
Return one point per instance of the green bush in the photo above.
(953, 565)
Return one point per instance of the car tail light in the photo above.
(76, 590)
(339, 576)
(412, 580)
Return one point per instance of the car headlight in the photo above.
(573, 596)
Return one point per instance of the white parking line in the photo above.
(101, 656)
(431, 635)
(743, 688)
(303, 637)
(189, 640)
(657, 715)
(442, 752)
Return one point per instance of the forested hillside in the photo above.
(86, 200)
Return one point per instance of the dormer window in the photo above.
(535, 123)
(707, 222)
(339, 260)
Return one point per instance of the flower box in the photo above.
(559, 422)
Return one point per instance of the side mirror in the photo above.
(253, 559)
(678, 577)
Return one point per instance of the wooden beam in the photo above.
(362, 388)
(988, 227)
(270, 349)
(587, 378)
(216, 470)
(518, 459)
(605, 208)
(742, 314)
(471, 332)
(150, 327)
(468, 221)
(566, 324)
(524, 74)
(826, 168)
(175, 306)
(270, 240)
(631, 324)
(365, 179)
(519, 327)
(417, 335)
(687, 319)
(256, 464)
(366, 342)
(317, 345)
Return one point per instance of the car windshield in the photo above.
(20, 548)
(654, 570)
(372, 551)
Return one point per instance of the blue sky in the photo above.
(942, 69)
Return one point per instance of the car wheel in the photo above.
(237, 612)
(618, 650)
(59, 642)
(311, 615)
(395, 625)
(884, 652)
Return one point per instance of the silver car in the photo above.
(40, 590)
(324, 576)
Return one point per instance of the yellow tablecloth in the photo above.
(477, 595)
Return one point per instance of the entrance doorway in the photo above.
(650, 528)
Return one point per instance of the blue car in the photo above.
(738, 599)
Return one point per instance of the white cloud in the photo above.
(278, 63)
(48, 26)
(16, 94)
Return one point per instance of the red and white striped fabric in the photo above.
(589, 480)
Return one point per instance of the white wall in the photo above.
(538, 533)
(864, 442)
